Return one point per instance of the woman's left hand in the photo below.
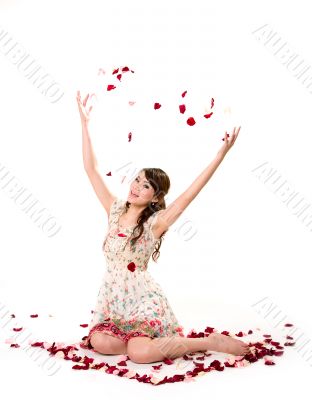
(229, 140)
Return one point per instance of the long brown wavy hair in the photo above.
(160, 182)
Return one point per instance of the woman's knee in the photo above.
(106, 344)
(139, 352)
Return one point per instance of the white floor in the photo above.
(37, 375)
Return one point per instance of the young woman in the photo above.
(132, 315)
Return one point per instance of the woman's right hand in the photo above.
(82, 106)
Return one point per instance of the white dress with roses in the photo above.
(130, 303)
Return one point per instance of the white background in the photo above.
(248, 244)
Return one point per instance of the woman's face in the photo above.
(141, 191)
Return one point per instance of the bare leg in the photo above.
(107, 344)
(147, 350)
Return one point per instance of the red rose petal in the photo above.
(278, 353)
(289, 337)
(157, 106)
(119, 76)
(131, 267)
(269, 362)
(184, 93)
(122, 235)
(84, 325)
(287, 325)
(110, 87)
(226, 135)
(77, 366)
(129, 136)
(191, 121)
(37, 344)
(115, 71)
(217, 365)
(109, 174)
(208, 115)
(34, 315)
(212, 103)
(182, 108)
(17, 329)
(125, 69)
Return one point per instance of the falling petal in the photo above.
(34, 315)
(84, 325)
(119, 76)
(288, 325)
(17, 329)
(212, 102)
(182, 108)
(110, 87)
(208, 115)
(191, 121)
(109, 174)
(115, 71)
(129, 136)
(184, 93)
(157, 106)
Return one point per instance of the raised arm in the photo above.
(168, 216)
(89, 160)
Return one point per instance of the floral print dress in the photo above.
(130, 303)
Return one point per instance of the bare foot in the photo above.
(226, 344)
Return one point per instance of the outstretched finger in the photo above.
(85, 100)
